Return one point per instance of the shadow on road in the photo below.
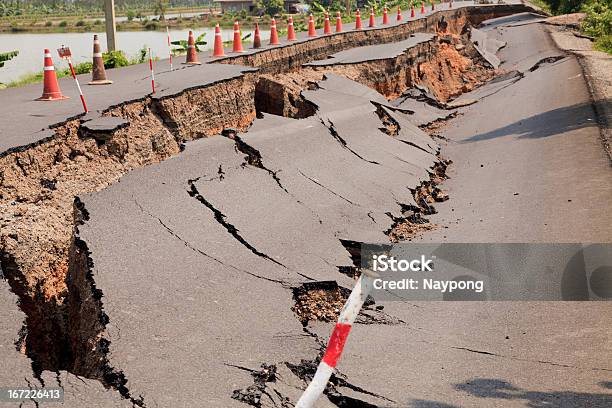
(553, 122)
(503, 390)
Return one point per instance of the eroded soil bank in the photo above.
(40, 256)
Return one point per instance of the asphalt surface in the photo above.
(203, 282)
(130, 83)
(528, 167)
(35, 117)
(534, 146)
(196, 256)
(373, 52)
(174, 310)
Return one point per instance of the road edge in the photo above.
(594, 65)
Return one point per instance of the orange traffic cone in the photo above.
(422, 7)
(412, 10)
(385, 16)
(338, 22)
(312, 31)
(371, 23)
(98, 76)
(273, 33)
(256, 37)
(237, 43)
(291, 30)
(399, 14)
(192, 56)
(218, 50)
(51, 89)
(358, 21)
(327, 26)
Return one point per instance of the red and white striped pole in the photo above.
(64, 52)
(169, 47)
(152, 72)
(78, 85)
(337, 340)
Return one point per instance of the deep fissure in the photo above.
(222, 219)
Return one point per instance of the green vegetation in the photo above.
(114, 59)
(598, 23)
(182, 45)
(6, 56)
(245, 40)
(83, 15)
(271, 7)
(151, 25)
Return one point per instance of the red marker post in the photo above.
(152, 72)
(66, 54)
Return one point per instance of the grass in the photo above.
(604, 44)
(36, 77)
(111, 60)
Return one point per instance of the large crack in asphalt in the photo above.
(222, 220)
(334, 133)
(89, 320)
(269, 382)
(253, 158)
(199, 251)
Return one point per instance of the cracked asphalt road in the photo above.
(173, 310)
(203, 281)
(196, 256)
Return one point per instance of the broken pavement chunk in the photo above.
(103, 127)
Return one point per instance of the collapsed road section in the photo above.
(223, 229)
(296, 177)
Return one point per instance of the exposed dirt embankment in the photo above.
(436, 65)
(292, 56)
(445, 67)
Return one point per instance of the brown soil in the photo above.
(449, 74)
(281, 94)
(407, 230)
(413, 222)
(436, 65)
(571, 20)
(319, 304)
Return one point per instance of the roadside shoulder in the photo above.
(597, 70)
